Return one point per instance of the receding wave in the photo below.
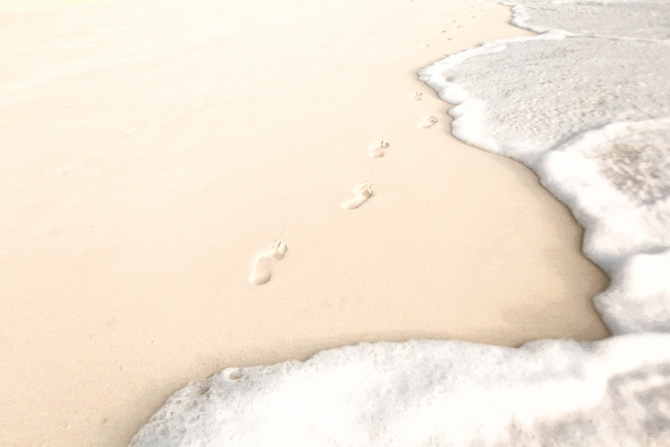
(587, 106)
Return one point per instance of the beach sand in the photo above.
(12, 6)
(152, 150)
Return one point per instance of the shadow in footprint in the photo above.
(376, 149)
(415, 96)
(361, 193)
(260, 272)
(427, 121)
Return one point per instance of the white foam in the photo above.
(638, 300)
(433, 393)
(587, 105)
(522, 97)
(639, 19)
(616, 180)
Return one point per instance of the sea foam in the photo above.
(431, 393)
(587, 106)
(637, 19)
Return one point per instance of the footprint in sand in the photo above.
(416, 96)
(260, 272)
(376, 149)
(427, 122)
(362, 193)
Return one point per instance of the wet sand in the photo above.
(152, 153)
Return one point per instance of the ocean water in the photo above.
(586, 105)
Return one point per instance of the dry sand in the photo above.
(150, 150)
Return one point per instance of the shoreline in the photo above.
(176, 220)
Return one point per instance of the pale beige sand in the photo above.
(39, 5)
(151, 150)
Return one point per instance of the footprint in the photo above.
(362, 193)
(376, 149)
(260, 272)
(427, 122)
(416, 96)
